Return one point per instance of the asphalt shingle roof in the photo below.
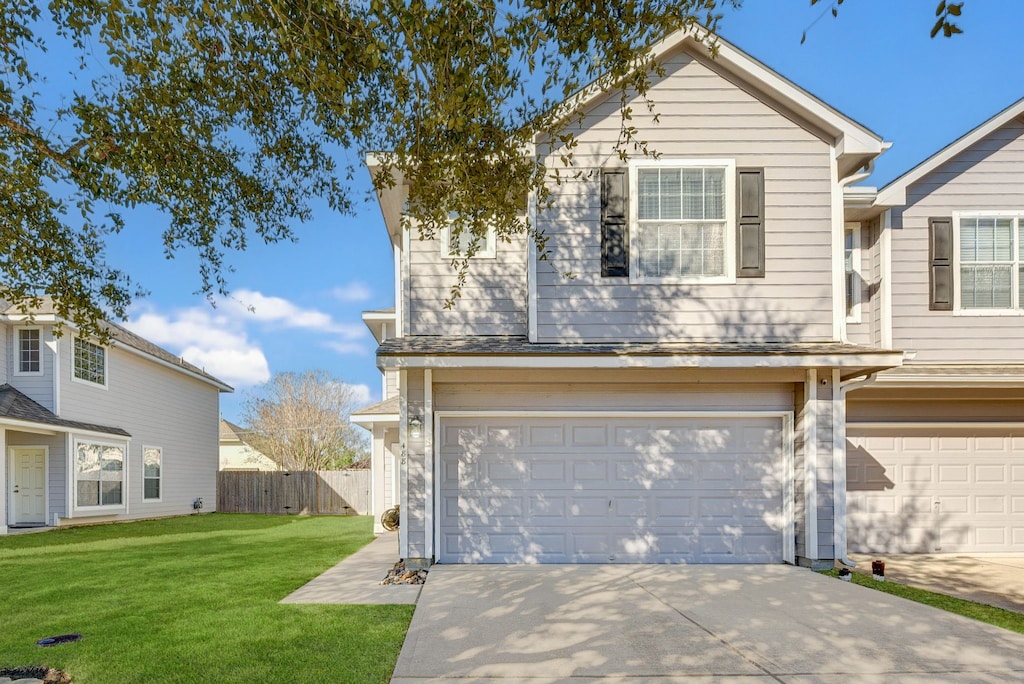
(16, 405)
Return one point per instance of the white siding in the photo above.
(702, 116)
(37, 387)
(987, 176)
(492, 302)
(160, 408)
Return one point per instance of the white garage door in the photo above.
(916, 490)
(611, 489)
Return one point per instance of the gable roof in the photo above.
(126, 339)
(16, 406)
(895, 193)
(856, 144)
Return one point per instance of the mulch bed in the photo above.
(48, 675)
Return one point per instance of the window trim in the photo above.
(958, 309)
(17, 351)
(159, 478)
(855, 314)
(106, 366)
(729, 265)
(100, 509)
(488, 250)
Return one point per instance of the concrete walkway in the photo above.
(676, 623)
(356, 580)
(993, 579)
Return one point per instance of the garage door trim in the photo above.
(788, 449)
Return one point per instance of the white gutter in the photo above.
(839, 465)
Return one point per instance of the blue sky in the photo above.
(297, 306)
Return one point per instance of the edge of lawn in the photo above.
(998, 617)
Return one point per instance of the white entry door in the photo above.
(29, 486)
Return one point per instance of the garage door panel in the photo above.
(616, 490)
(957, 497)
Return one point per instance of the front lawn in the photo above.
(193, 599)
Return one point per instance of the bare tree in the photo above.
(301, 420)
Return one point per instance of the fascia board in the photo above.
(873, 361)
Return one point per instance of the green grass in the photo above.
(193, 599)
(1000, 617)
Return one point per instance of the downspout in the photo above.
(844, 388)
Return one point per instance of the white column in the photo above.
(811, 465)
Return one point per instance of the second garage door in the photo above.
(925, 490)
(601, 489)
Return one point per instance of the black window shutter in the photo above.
(940, 260)
(750, 223)
(614, 223)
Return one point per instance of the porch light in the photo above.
(416, 427)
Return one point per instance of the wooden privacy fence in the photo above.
(310, 492)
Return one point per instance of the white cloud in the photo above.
(353, 292)
(224, 340)
(347, 347)
(239, 367)
(253, 305)
(208, 339)
(361, 395)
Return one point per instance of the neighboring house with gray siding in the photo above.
(92, 433)
(726, 376)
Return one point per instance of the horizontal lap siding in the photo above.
(159, 407)
(492, 301)
(988, 176)
(702, 116)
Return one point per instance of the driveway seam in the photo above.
(710, 633)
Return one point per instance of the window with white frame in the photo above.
(30, 351)
(90, 362)
(851, 252)
(99, 474)
(152, 469)
(990, 252)
(683, 222)
(459, 245)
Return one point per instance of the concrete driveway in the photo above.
(689, 624)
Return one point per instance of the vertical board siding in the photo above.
(987, 176)
(492, 302)
(702, 116)
(323, 492)
(159, 407)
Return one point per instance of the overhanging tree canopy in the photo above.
(228, 116)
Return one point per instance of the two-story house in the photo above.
(747, 365)
(92, 433)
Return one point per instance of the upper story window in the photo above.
(30, 352)
(990, 255)
(89, 363)
(455, 246)
(684, 222)
(851, 252)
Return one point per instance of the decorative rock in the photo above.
(399, 574)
